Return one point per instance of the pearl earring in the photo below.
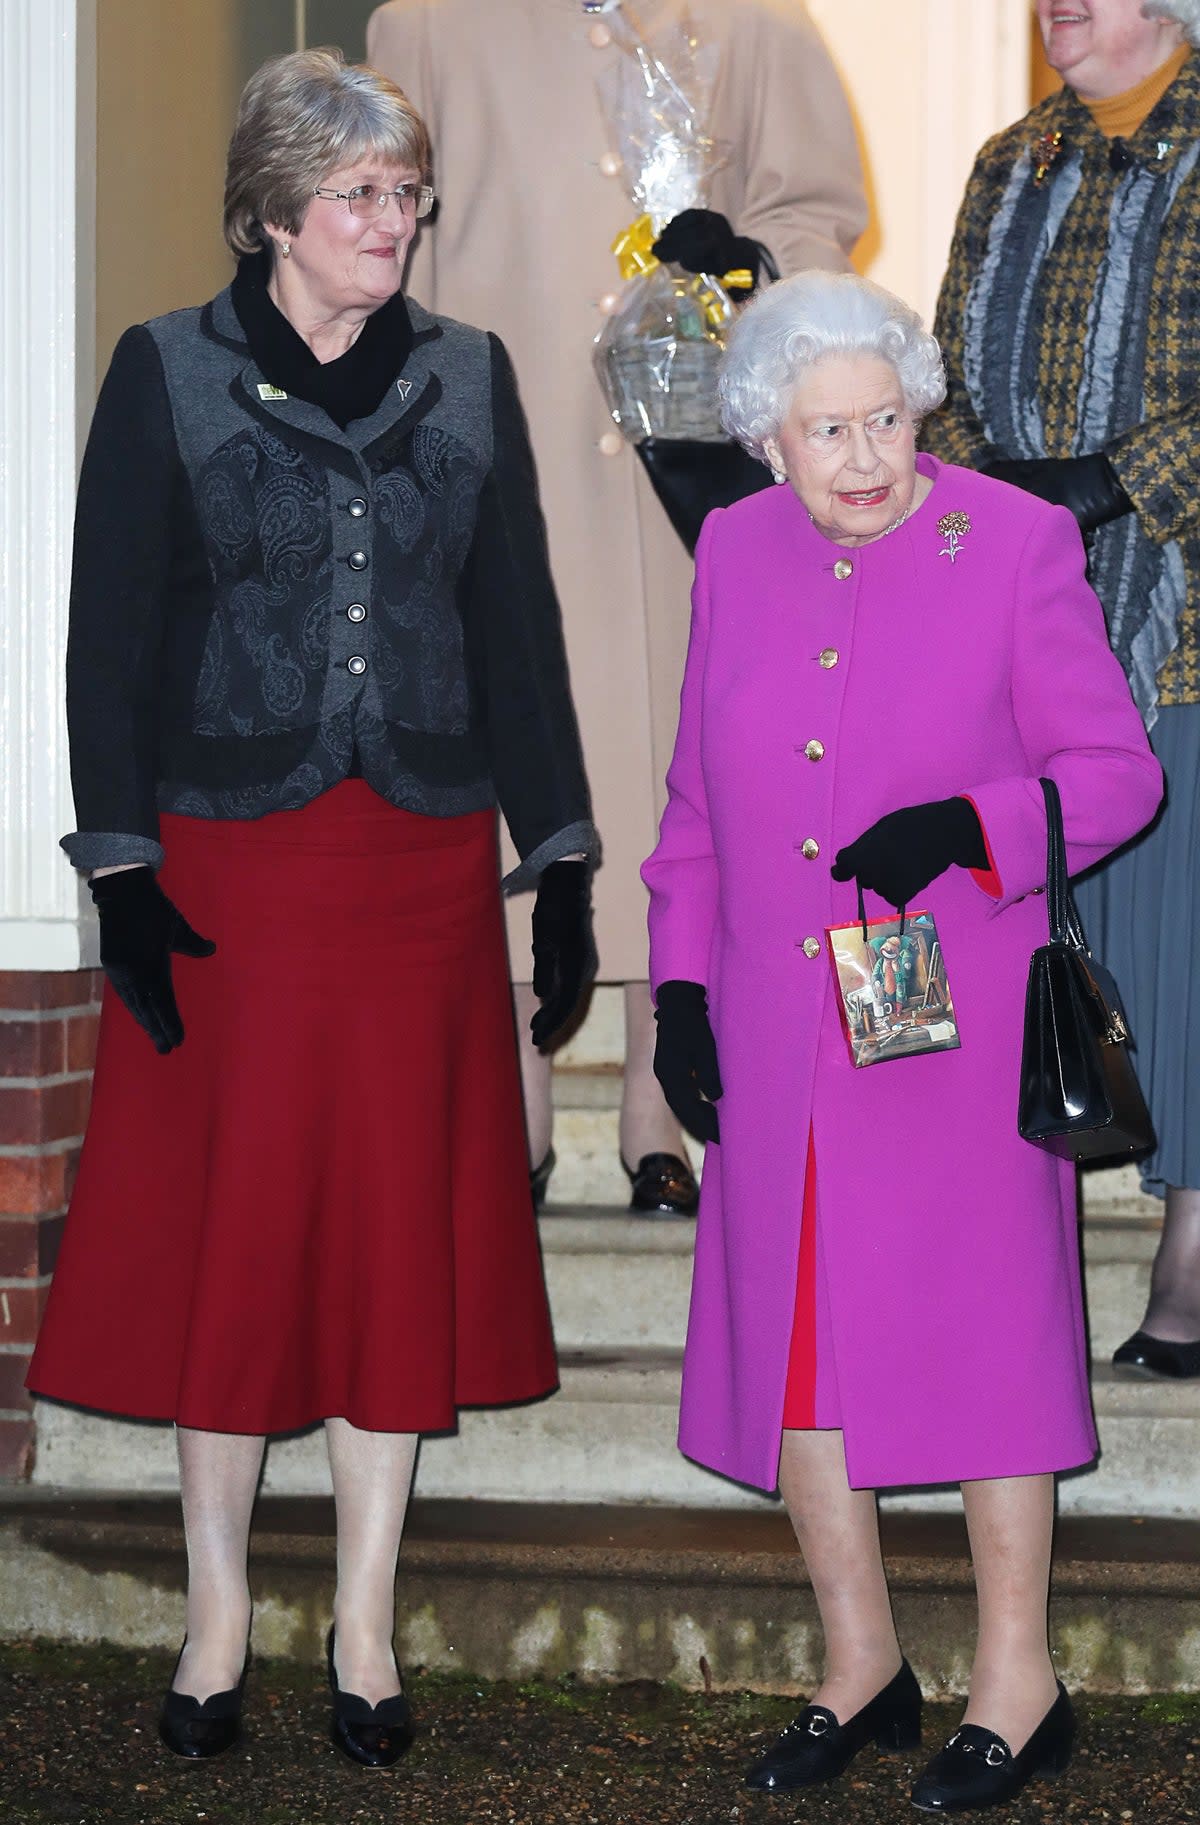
(778, 475)
(285, 248)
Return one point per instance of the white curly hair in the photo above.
(1184, 13)
(804, 319)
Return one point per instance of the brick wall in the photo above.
(48, 1025)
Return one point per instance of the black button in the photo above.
(357, 611)
(357, 560)
(357, 507)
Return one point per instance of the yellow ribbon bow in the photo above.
(634, 249)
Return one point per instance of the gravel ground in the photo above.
(78, 1747)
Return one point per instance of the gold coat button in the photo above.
(610, 165)
(611, 444)
(810, 849)
(829, 658)
(814, 750)
(599, 36)
(812, 947)
(843, 569)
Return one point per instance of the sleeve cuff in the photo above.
(987, 878)
(106, 848)
(580, 838)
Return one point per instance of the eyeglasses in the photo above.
(369, 201)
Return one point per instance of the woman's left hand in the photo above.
(564, 951)
(900, 855)
(1086, 486)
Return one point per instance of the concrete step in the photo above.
(616, 1281)
(510, 1591)
(1117, 1255)
(608, 1436)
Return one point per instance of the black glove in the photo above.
(901, 854)
(564, 951)
(1087, 485)
(685, 1057)
(139, 928)
(702, 240)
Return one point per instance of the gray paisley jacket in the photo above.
(262, 602)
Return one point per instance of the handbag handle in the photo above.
(1066, 927)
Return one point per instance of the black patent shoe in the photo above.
(539, 1178)
(816, 1747)
(1146, 1355)
(374, 1736)
(977, 1769)
(663, 1186)
(197, 1729)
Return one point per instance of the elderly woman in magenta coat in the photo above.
(886, 654)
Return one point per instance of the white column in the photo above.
(47, 332)
(929, 81)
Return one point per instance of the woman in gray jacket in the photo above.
(314, 641)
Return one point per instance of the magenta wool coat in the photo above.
(950, 1341)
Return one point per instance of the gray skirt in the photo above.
(1140, 911)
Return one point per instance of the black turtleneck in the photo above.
(350, 387)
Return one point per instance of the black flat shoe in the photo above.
(816, 1747)
(1147, 1355)
(663, 1186)
(977, 1769)
(539, 1178)
(374, 1736)
(198, 1729)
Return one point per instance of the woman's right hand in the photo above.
(685, 1057)
(139, 928)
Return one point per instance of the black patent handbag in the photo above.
(1080, 1097)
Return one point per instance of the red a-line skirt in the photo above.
(319, 1204)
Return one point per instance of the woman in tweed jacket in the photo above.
(1067, 321)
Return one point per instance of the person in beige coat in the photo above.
(531, 197)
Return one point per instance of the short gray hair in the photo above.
(1183, 13)
(804, 319)
(300, 117)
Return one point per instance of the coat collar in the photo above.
(413, 395)
(1171, 125)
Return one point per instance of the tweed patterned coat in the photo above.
(1126, 240)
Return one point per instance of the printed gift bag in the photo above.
(893, 993)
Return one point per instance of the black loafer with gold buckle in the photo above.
(816, 1747)
(977, 1769)
(663, 1185)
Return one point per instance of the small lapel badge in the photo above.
(404, 388)
(1044, 151)
(267, 391)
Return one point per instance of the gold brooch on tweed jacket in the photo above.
(1044, 152)
(953, 527)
